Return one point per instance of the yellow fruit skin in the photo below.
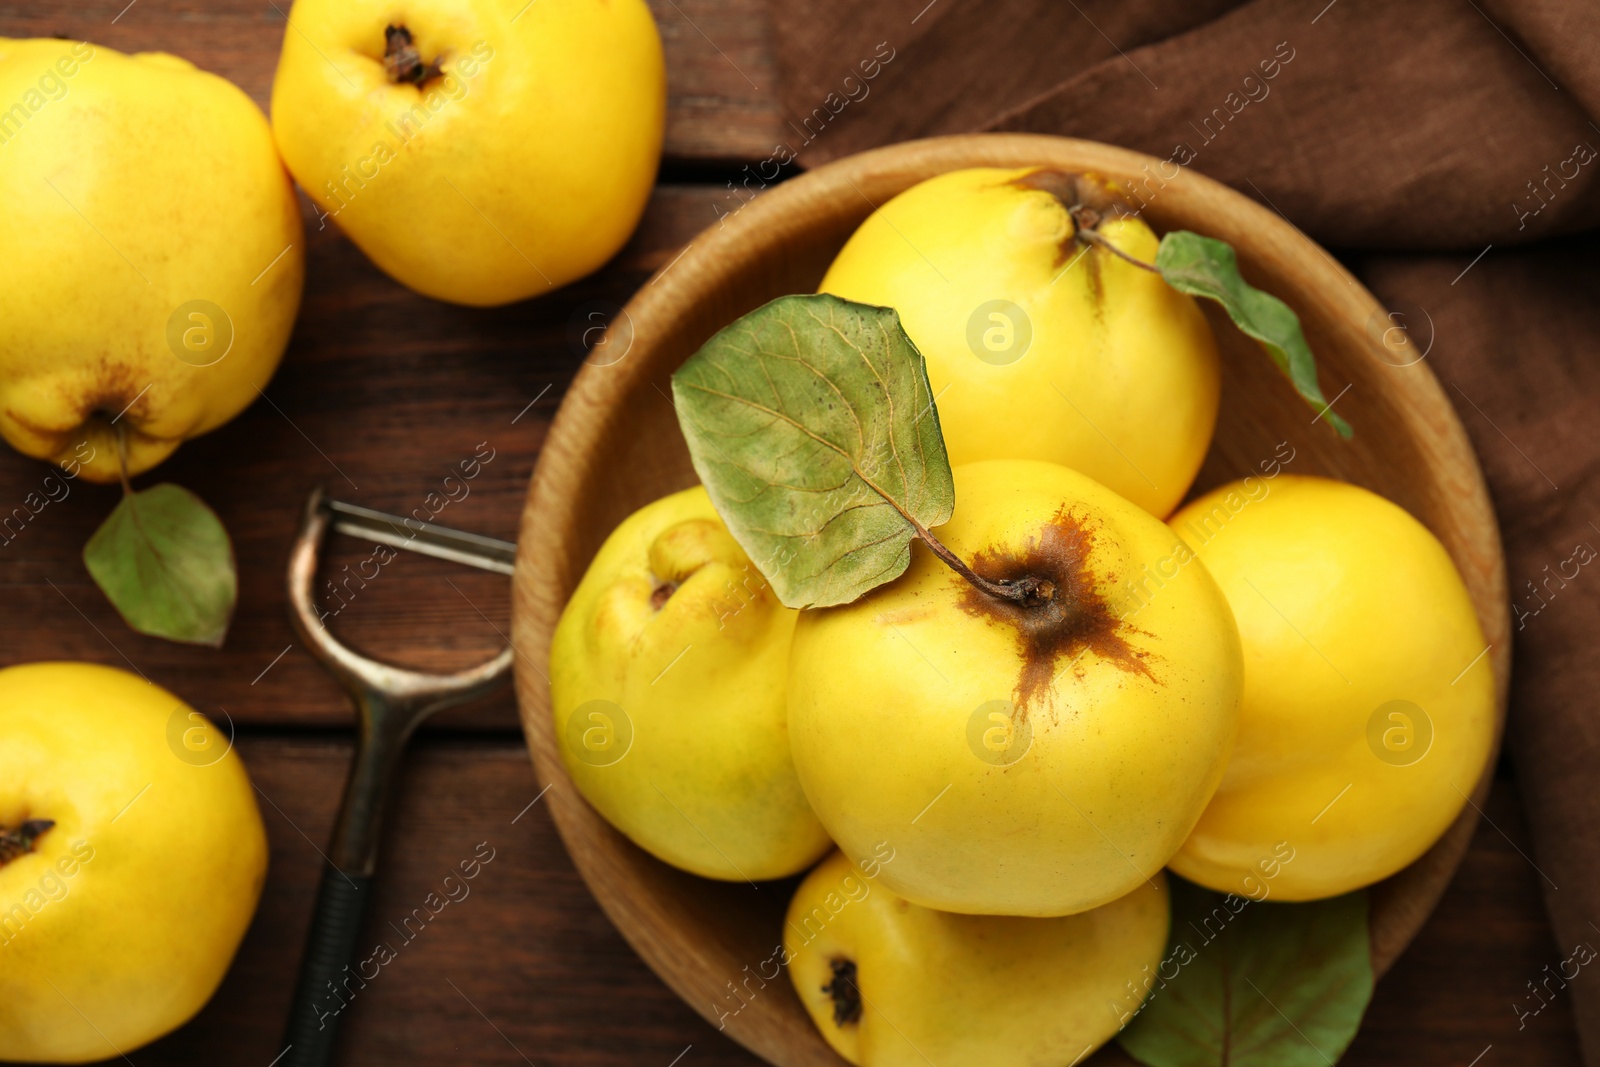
(529, 163)
(976, 990)
(1120, 380)
(1344, 603)
(707, 783)
(138, 184)
(130, 908)
(883, 693)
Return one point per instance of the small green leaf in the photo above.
(1205, 266)
(165, 562)
(812, 425)
(1255, 985)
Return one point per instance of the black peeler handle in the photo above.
(327, 981)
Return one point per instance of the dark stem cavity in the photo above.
(1055, 633)
(842, 988)
(14, 843)
(1089, 202)
(661, 594)
(401, 60)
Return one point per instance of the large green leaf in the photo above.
(1255, 985)
(164, 560)
(811, 423)
(1206, 267)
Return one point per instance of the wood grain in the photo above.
(391, 387)
(380, 395)
(615, 446)
(721, 77)
(531, 951)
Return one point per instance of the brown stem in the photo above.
(402, 62)
(1086, 219)
(1027, 591)
(122, 458)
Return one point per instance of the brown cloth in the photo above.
(1448, 150)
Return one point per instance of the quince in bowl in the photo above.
(616, 446)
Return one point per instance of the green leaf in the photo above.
(165, 562)
(1204, 266)
(812, 425)
(1255, 985)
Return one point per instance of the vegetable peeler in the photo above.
(391, 702)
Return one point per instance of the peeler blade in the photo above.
(426, 538)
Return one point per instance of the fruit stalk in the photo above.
(122, 458)
(402, 63)
(1030, 590)
(1085, 220)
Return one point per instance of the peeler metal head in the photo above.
(417, 693)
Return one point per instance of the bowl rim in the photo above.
(1400, 904)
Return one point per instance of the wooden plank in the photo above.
(1455, 990)
(721, 79)
(530, 950)
(527, 946)
(381, 395)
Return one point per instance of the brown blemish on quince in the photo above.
(906, 616)
(1074, 619)
(842, 990)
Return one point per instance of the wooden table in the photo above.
(381, 392)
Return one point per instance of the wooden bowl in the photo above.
(615, 446)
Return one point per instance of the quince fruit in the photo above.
(668, 671)
(1038, 758)
(477, 151)
(1040, 345)
(892, 984)
(155, 261)
(131, 858)
(1369, 701)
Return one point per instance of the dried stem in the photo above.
(1085, 220)
(1027, 591)
(402, 62)
(122, 457)
(14, 843)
